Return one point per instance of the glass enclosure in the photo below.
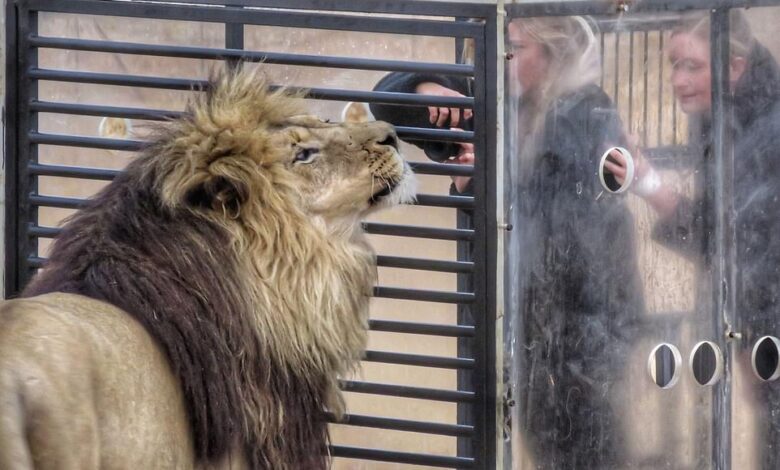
(641, 270)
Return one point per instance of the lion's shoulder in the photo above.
(77, 337)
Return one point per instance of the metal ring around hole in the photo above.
(677, 365)
(718, 372)
(629, 170)
(776, 374)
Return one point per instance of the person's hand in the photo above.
(647, 182)
(646, 179)
(464, 157)
(440, 115)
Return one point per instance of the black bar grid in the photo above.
(23, 259)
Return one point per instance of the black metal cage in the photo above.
(475, 434)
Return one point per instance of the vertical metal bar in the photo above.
(660, 87)
(617, 68)
(234, 39)
(27, 152)
(644, 99)
(10, 150)
(477, 220)
(603, 65)
(631, 82)
(487, 279)
(724, 262)
(465, 283)
(674, 122)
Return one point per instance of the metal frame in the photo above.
(722, 242)
(23, 169)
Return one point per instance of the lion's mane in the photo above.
(257, 311)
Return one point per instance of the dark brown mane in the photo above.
(175, 272)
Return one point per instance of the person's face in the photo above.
(530, 62)
(691, 77)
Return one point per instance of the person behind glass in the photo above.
(754, 85)
(574, 285)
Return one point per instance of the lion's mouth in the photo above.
(384, 192)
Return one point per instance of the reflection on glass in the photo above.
(706, 363)
(575, 295)
(663, 365)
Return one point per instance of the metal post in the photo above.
(723, 262)
(10, 120)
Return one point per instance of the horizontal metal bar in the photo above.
(56, 201)
(87, 142)
(43, 232)
(392, 326)
(229, 14)
(401, 457)
(71, 172)
(104, 111)
(437, 135)
(434, 233)
(404, 391)
(411, 99)
(601, 7)
(424, 295)
(251, 56)
(97, 78)
(402, 425)
(424, 264)
(418, 360)
(436, 200)
(36, 261)
(640, 23)
(441, 169)
(417, 7)
(75, 203)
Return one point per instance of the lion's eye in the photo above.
(305, 155)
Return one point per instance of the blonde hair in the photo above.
(572, 50)
(741, 39)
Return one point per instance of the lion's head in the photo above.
(235, 240)
(242, 141)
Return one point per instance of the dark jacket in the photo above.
(580, 295)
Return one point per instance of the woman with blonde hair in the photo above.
(573, 287)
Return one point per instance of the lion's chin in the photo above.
(396, 191)
(377, 197)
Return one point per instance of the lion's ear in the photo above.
(219, 193)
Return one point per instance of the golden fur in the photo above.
(229, 282)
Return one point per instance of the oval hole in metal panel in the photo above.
(607, 179)
(664, 365)
(706, 363)
(766, 358)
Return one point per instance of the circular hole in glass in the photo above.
(664, 365)
(766, 358)
(607, 179)
(706, 363)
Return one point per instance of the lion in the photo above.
(198, 312)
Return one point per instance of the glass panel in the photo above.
(753, 64)
(606, 270)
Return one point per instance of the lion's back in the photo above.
(77, 371)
